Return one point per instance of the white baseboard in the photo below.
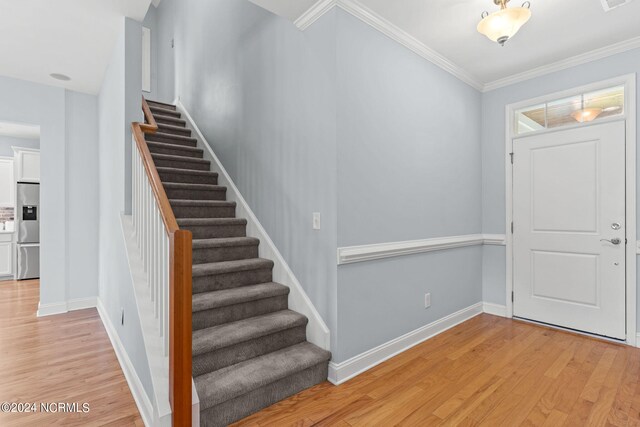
(137, 390)
(344, 371)
(65, 306)
(494, 309)
(638, 340)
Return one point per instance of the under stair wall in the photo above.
(317, 331)
(263, 95)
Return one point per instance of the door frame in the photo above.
(633, 246)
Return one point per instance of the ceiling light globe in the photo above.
(500, 26)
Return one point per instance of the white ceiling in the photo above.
(556, 31)
(19, 130)
(72, 37)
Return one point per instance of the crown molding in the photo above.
(573, 61)
(390, 30)
(314, 13)
(397, 34)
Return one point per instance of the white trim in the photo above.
(573, 61)
(137, 390)
(351, 254)
(51, 309)
(637, 247)
(638, 340)
(344, 371)
(381, 24)
(82, 303)
(494, 309)
(65, 306)
(368, 16)
(392, 31)
(495, 239)
(314, 13)
(629, 81)
(317, 330)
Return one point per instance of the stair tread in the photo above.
(182, 122)
(180, 159)
(212, 221)
(166, 169)
(233, 381)
(235, 266)
(174, 146)
(228, 334)
(204, 203)
(151, 101)
(171, 127)
(173, 136)
(233, 296)
(225, 242)
(164, 111)
(193, 186)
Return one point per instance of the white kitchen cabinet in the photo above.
(27, 164)
(6, 254)
(7, 183)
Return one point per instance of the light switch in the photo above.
(316, 220)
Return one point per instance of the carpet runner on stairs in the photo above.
(249, 349)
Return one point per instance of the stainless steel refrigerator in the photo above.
(28, 226)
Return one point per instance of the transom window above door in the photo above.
(574, 110)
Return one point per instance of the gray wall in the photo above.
(263, 93)
(6, 142)
(409, 167)
(493, 145)
(369, 150)
(82, 193)
(119, 105)
(64, 131)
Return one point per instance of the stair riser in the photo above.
(204, 211)
(233, 410)
(217, 231)
(164, 112)
(157, 149)
(180, 194)
(231, 280)
(179, 164)
(185, 178)
(174, 131)
(171, 121)
(169, 140)
(159, 105)
(228, 356)
(229, 253)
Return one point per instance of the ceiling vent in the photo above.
(612, 4)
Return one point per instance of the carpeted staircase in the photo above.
(249, 349)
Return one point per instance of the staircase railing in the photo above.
(166, 255)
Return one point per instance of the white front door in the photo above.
(569, 228)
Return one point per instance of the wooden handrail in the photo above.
(150, 125)
(166, 212)
(180, 283)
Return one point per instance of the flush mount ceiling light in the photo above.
(500, 26)
(59, 76)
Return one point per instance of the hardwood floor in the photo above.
(488, 371)
(64, 358)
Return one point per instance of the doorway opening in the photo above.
(571, 209)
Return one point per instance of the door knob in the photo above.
(614, 241)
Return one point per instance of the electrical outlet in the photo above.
(122, 315)
(427, 300)
(316, 220)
